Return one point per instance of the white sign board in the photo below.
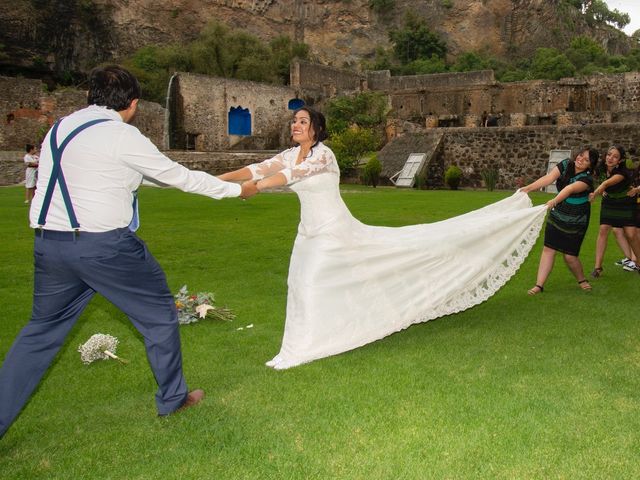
(555, 157)
(412, 166)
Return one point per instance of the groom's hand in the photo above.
(249, 189)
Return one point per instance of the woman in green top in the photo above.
(569, 215)
(618, 208)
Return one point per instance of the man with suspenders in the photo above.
(83, 215)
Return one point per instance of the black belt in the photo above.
(76, 235)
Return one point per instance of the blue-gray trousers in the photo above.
(69, 270)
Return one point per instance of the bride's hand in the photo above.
(249, 189)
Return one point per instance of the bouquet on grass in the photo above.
(192, 308)
(99, 347)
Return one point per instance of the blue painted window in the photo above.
(295, 103)
(239, 121)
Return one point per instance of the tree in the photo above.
(217, 51)
(350, 145)
(230, 54)
(366, 109)
(550, 64)
(424, 66)
(584, 51)
(283, 50)
(468, 62)
(153, 66)
(415, 41)
(597, 11)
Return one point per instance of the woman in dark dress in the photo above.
(634, 192)
(618, 208)
(568, 217)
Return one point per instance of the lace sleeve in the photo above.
(321, 162)
(267, 167)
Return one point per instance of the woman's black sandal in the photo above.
(597, 272)
(584, 285)
(533, 291)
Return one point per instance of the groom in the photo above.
(91, 164)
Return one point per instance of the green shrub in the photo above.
(351, 145)
(366, 110)
(452, 177)
(490, 177)
(372, 171)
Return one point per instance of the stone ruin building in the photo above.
(217, 124)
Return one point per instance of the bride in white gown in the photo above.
(351, 284)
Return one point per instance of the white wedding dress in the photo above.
(351, 284)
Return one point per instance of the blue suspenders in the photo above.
(58, 177)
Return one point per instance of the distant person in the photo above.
(31, 173)
(568, 220)
(92, 162)
(632, 264)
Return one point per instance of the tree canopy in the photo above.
(218, 51)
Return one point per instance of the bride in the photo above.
(351, 284)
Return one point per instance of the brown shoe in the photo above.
(194, 397)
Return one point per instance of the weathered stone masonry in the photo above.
(517, 152)
(534, 118)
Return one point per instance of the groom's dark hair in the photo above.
(112, 87)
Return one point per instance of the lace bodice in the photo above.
(316, 182)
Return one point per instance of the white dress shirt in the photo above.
(103, 165)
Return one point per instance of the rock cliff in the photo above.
(69, 36)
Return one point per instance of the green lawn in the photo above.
(518, 387)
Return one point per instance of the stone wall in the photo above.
(215, 163)
(519, 154)
(442, 80)
(454, 96)
(200, 106)
(330, 80)
(150, 119)
(12, 167)
(28, 110)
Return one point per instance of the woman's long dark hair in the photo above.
(601, 169)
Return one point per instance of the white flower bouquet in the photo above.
(192, 308)
(99, 347)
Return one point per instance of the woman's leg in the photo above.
(575, 265)
(631, 234)
(544, 269)
(623, 243)
(601, 247)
